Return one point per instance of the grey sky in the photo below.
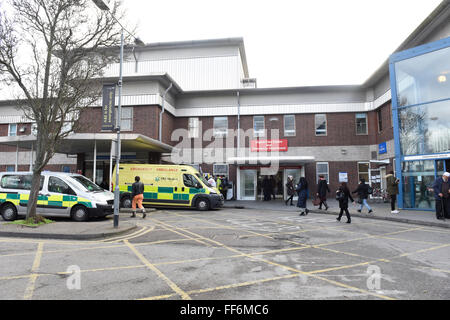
(290, 42)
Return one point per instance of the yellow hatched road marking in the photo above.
(171, 284)
(289, 268)
(37, 261)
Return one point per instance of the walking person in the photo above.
(363, 193)
(137, 194)
(273, 186)
(302, 190)
(441, 188)
(266, 186)
(392, 189)
(343, 195)
(322, 189)
(290, 190)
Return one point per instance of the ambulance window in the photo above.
(22, 182)
(190, 181)
(58, 186)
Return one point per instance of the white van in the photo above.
(60, 195)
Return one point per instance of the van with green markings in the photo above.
(60, 195)
(168, 186)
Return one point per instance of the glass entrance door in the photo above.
(248, 184)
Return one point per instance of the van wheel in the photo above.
(125, 202)
(9, 212)
(202, 204)
(80, 214)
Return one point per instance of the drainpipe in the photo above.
(162, 111)
(238, 125)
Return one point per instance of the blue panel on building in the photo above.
(382, 148)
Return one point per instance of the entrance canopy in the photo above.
(86, 142)
(265, 160)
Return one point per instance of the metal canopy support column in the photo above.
(95, 162)
(31, 158)
(17, 158)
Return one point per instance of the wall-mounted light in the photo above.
(442, 78)
(343, 151)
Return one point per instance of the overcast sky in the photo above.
(290, 42)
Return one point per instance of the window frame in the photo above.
(10, 131)
(356, 124)
(193, 131)
(380, 120)
(215, 173)
(122, 118)
(291, 132)
(216, 131)
(315, 125)
(368, 171)
(323, 173)
(259, 133)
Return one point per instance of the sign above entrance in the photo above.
(427, 156)
(268, 145)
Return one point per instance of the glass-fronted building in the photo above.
(420, 87)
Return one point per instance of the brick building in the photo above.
(217, 119)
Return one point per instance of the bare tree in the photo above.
(54, 52)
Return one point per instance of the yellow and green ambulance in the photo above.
(60, 195)
(168, 186)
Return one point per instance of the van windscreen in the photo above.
(86, 183)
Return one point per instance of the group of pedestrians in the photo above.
(221, 183)
(343, 195)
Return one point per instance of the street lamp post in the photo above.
(102, 6)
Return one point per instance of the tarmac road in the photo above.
(234, 254)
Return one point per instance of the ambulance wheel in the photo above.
(202, 204)
(9, 212)
(80, 213)
(125, 202)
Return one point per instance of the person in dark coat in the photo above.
(267, 189)
(322, 189)
(290, 190)
(392, 189)
(441, 188)
(363, 194)
(273, 186)
(302, 190)
(343, 201)
(137, 194)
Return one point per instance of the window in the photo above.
(220, 170)
(22, 182)
(220, 126)
(10, 168)
(12, 129)
(190, 181)
(193, 128)
(322, 170)
(56, 185)
(289, 125)
(258, 126)
(320, 121)
(380, 120)
(363, 171)
(127, 119)
(361, 123)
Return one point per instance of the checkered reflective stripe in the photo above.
(174, 195)
(55, 201)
